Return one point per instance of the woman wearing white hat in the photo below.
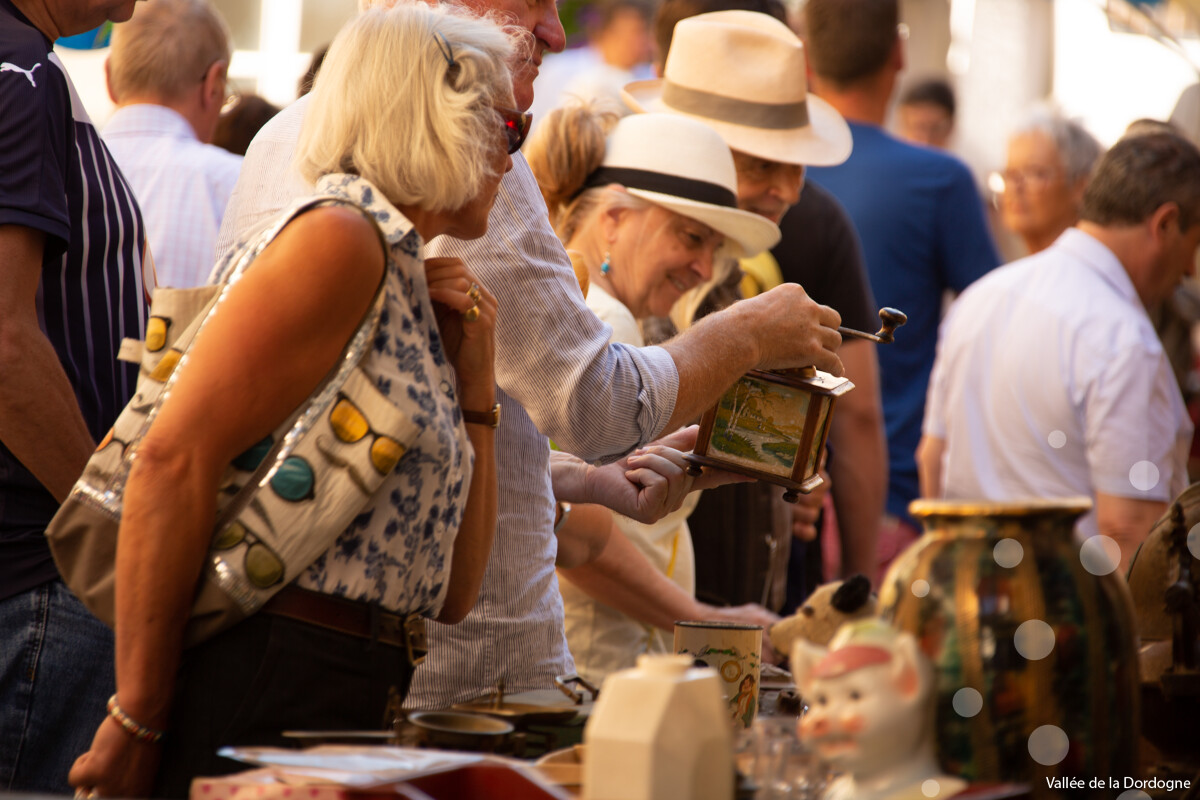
(649, 210)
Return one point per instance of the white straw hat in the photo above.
(744, 74)
(684, 166)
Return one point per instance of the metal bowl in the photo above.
(454, 730)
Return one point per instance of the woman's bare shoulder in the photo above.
(330, 241)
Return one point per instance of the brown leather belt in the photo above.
(352, 617)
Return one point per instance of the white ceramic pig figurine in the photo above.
(870, 714)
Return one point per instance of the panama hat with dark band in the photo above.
(743, 73)
(686, 167)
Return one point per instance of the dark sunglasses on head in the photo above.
(516, 127)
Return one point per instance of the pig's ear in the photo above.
(910, 670)
(805, 656)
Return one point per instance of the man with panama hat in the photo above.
(754, 93)
(743, 74)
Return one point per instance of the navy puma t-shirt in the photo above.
(57, 177)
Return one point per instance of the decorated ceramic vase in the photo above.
(1031, 635)
(1164, 579)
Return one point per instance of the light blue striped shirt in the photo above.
(181, 184)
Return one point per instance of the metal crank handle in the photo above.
(892, 318)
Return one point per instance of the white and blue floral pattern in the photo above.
(397, 552)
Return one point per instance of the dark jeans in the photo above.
(267, 675)
(56, 674)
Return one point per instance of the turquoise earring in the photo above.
(606, 265)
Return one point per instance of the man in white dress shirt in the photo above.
(166, 74)
(557, 376)
(1049, 379)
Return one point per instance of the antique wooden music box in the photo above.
(772, 425)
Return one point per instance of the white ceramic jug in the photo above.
(659, 731)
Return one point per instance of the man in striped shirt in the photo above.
(72, 261)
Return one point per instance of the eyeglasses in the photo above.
(294, 479)
(232, 99)
(1034, 178)
(350, 426)
(263, 565)
(516, 126)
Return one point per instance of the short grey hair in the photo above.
(388, 104)
(166, 49)
(1078, 149)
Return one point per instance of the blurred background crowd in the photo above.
(1104, 62)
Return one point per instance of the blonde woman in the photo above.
(412, 122)
(649, 205)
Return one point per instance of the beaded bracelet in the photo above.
(139, 732)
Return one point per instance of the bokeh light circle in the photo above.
(967, 702)
(1008, 553)
(1100, 555)
(920, 588)
(931, 788)
(1034, 639)
(1048, 745)
(1143, 475)
(1057, 439)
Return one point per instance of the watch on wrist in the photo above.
(490, 418)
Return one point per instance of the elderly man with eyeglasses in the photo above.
(557, 377)
(1050, 160)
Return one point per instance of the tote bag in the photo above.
(280, 505)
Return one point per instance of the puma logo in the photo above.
(8, 66)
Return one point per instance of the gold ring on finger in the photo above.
(471, 314)
(474, 293)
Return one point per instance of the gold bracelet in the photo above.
(130, 726)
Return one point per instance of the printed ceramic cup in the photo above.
(735, 652)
